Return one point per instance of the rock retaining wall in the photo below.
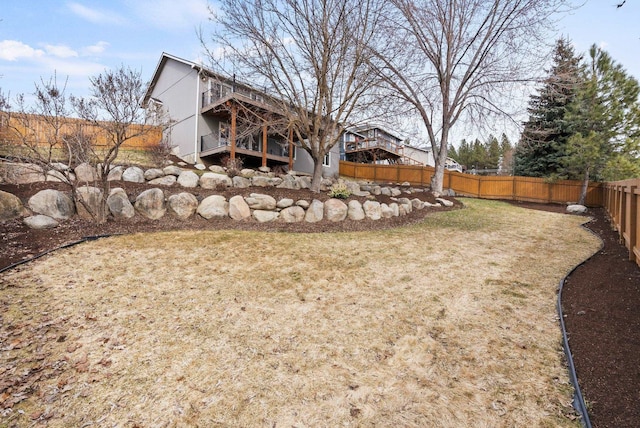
(47, 207)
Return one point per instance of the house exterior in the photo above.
(373, 144)
(214, 117)
(425, 157)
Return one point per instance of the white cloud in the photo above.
(96, 49)
(171, 14)
(97, 16)
(12, 50)
(60, 51)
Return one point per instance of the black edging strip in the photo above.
(578, 399)
(68, 245)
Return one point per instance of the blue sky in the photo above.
(82, 38)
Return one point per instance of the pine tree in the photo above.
(606, 119)
(543, 141)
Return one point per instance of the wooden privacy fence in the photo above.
(527, 189)
(34, 129)
(621, 200)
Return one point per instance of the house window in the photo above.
(327, 160)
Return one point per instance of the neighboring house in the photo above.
(373, 144)
(425, 157)
(214, 117)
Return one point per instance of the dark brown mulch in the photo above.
(601, 305)
(18, 242)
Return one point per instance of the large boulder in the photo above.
(153, 173)
(11, 207)
(284, 203)
(119, 204)
(258, 201)
(188, 179)
(214, 206)
(315, 212)
(212, 180)
(167, 180)
(372, 210)
(261, 181)
(151, 204)
(217, 169)
(576, 209)
(52, 203)
(335, 210)
(238, 208)
(172, 170)
(386, 211)
(355, 211)
(289, 182)
(89, 201)
(22, 173)
(40, 222)
(265, 216)
(133, 174)
(248, 172)
(115, 173)
(406, 203)
(86, 173)
(294, 214)
(304, 182)
(183, 205)
(241, 182)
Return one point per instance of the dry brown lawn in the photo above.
(450, 323)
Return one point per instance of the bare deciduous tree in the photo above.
(459, 59)
(309, 54)
(54, 144)
(113, 108)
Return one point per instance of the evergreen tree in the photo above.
(493, 153)
(506, 156)
(465, 157)
(545, 135)
(606, 118)
(453, 154)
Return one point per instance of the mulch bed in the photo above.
(601, 298)
(601, 304)
(18, 242)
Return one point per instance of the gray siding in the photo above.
(176, 88)
(304, 162)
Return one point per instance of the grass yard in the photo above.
(449, 323)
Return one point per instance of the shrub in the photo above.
(233, 166)
(340, 190)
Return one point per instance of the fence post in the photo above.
(632, 214)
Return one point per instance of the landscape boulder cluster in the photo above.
(48, 207)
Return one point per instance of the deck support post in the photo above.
(264, 144)
(234, 114)
(290, 149)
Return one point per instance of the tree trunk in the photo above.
(585, 187)
(317, 175)
(437, 181)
